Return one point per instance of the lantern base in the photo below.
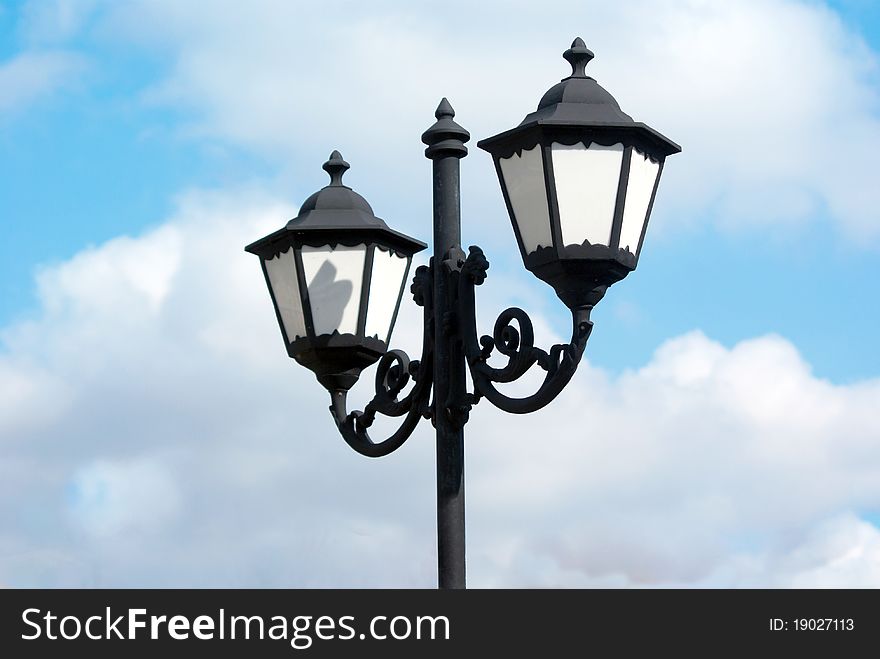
(582, 274)
(337, 359)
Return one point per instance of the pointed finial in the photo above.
(445, 137)
(336, 167)
(578, 56)
(444, 109)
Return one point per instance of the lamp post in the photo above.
(579, 178)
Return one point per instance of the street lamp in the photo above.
(336, 274)
(579, 178)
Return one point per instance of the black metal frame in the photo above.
(574, 111)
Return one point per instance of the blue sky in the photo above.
(144, 143)
(93, 159)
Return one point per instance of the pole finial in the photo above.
(445, 137)
(336, 167)
(578, 56)
(444, 109)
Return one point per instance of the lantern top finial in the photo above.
(578, 56)
(336, 167)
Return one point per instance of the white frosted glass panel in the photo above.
(285, 287)
(642, 176)
(524, 180)
(335, 277)
(389, 271)
(586, 190)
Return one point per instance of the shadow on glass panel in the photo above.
(329, 299)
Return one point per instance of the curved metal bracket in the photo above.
(393, 374)
(517, 344)
(513, 337)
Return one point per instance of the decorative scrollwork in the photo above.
(393, 374)
(475, 265)
(515, 344)
(421, 286)
(513, 336)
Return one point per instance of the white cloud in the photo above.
(33, 75)
(844, 553)
(110, 498)
(775, 102)
(44, 66)
(23, 385)
(154, 433)
(679, 465)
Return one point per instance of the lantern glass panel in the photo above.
(281, 271)
(335, 276)
(586, 190)
(386, 287)
(527, 192)
(642, 177)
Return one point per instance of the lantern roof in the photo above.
(581, 89)
(337, 213)
(578, 101)
(336, 196)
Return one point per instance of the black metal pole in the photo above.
(445, 140)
